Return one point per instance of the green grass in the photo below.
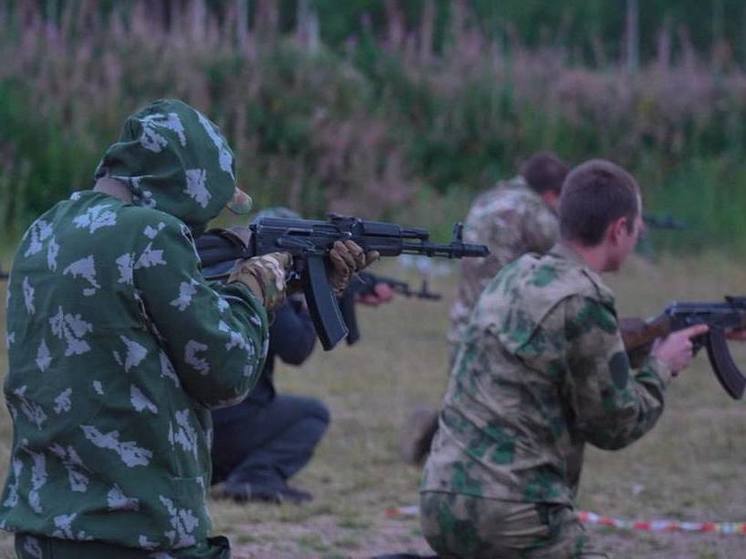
(689, 467)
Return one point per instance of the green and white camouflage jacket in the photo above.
(542, 371)
(118, 347)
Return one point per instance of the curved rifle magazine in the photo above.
(726, 370)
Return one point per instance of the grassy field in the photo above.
(690, 467)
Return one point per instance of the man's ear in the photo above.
(617, 229)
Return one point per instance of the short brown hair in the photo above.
(595, 194)
(544, 171)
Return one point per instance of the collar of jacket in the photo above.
(566, 252)
(562, 250)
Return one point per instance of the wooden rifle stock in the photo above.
(639, 335)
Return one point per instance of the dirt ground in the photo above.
(689, 467)
(394, 535)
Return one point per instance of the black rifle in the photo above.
(639, 335)
(309, 241)
(364, 284)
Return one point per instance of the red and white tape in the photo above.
(725, 528)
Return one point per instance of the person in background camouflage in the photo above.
(540, 371)
(515, 217)
(118, 347)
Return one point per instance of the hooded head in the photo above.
(174, 159)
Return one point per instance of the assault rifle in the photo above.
(365, 283)
(639, 335)
(309, 241)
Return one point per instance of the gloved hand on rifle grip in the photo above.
(347, 258)
(265, 276)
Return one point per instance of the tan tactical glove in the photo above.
(347, 258)
(266, 277)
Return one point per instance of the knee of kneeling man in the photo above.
(316, 411)
(322, 413)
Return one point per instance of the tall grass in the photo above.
(378, 128)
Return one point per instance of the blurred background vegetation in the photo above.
(394, 109)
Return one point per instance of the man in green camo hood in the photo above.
(118, 347)
(541, 371)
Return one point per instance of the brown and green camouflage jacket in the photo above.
(541, 372)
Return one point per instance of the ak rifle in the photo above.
(639, 335)
(309, 241)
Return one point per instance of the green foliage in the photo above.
(591, 29)
(707, 195)
(387, 129)
(41, 161)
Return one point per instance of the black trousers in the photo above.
(266, 444)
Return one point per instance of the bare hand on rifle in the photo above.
(676, 350)
(380, 293)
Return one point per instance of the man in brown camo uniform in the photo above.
(541, 370)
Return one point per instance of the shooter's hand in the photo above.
(347, 258)
(381, 292)
(675, 351)
(265, 276)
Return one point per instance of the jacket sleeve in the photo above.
(214, 335)
(612, 406)
(292, 335)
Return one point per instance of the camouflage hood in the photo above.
(173, 159)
